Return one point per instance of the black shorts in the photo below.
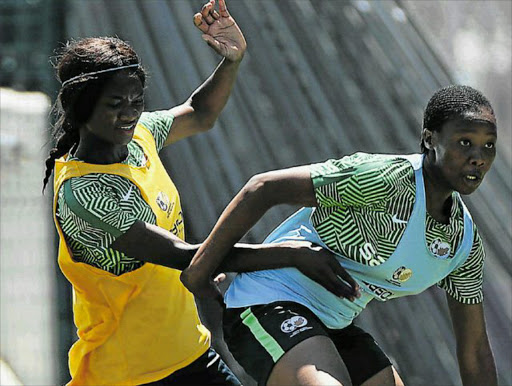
(258, 336)
(208, 369)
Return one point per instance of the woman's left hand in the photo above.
(322, 266)
(220, 31)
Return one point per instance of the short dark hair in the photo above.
(451, 102)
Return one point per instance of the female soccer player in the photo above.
(397, 224)
(119, 217)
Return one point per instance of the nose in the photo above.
(128, 113)
(477, 157)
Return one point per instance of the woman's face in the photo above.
(462, 152)
(118, 109)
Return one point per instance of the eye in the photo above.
(138, 102)
(114, 105)
(465, 142)
(490, 145)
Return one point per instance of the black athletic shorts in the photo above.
(208, 369)
(258, 336)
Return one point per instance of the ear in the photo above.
(427, 138)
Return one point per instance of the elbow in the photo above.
(260, 189)
(203, 122)
(255, 185)
(204, 116)
(206, 123)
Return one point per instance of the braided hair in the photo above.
(77, 67)
(450, 102)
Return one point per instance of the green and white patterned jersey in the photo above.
(113, 200)
(367, 199)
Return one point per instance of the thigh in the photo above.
(314, 361)
(259, 336)
(386, 377)
(361, 354)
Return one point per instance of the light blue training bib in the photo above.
(411, 269)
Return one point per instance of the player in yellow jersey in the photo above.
(119, 217)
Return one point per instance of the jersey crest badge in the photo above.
(440, 248)
(163, 201)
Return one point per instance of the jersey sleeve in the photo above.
(359, 180)
(465, 284)
(159, 124)
(91, 215)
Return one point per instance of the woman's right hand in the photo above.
(321, 266)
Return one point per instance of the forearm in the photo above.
(209, 99)
(474, 354)
(153, 244)
(224, 36)
(316, 263)
(256, 257)
(150, 243)
(480, 368)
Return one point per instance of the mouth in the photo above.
(473, 178)
(127, 128)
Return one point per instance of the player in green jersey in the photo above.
(397, 225)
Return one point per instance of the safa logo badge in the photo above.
(163, 201)
(402, 274)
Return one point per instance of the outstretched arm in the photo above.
(202, 108)
(476, 362)
(150, 243)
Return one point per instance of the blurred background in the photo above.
(321, 79)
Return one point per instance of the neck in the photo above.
(94, 150)
(437, 192)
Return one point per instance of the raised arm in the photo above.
(476, 362)
(202, 108)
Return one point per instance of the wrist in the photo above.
(235, 62)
